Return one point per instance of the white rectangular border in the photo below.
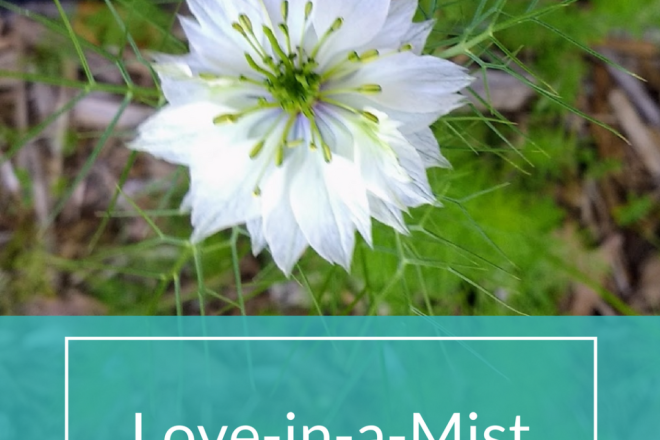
(321, 338)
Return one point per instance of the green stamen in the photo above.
(285, 10)
(327, 153)
(292, 82)
(209, 76)
(228, 118)
(245, 22)
(276, 46)
(279, 155)
(370, 116)
(370, 89)
(336, 25)
(257, 149)
(294, 143)
(285, 31)
(253, 64)
(239, 29)
(369, 55)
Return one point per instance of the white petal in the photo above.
(209, 13)
(378, 165)
(258, 14)
(397, 23)
(172, 132)
(410, 160)
(348, 194)
(178, 83)
(222, 183)
(335, 132)
(186, 203)
(363, 20)
(409, 122)
(410, 82)
(285, 240)
(218, 16)
(427, 146)
(329, 202)
(417, 35)
(391, 168)
(256, 229)
(387, 214)
(221, 53)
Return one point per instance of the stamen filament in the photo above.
(276, 47)
(246, 79)
(336, 25)
(258, 68)
(241, 30)
(367, 89)
(279, 152)
(357, 60)
(285, 31)
(309, 6)
(327, 153)
(257, 149)
(369, 116)
(233, 117)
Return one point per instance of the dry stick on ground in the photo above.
(635, 90)
(640, 137)
(8, 179)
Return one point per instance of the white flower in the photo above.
(303, 119)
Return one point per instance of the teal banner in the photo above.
(329, 378)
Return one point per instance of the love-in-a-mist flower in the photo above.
(303, 119)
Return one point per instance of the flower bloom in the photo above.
(303, 119)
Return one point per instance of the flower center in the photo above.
(289, 74)
(296, 89)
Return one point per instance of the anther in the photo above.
(337, 24)
(245, 22)
(406, 47)
(208, 76)
(257, 149)
(239, 28)
(327, 153)
(370, 116)
(370, 89)
(294, 143)
(285, 10)
(279, 155)
(369, 55)
(228, 118)
(353, 56)
(256, 192)
(308, 9)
